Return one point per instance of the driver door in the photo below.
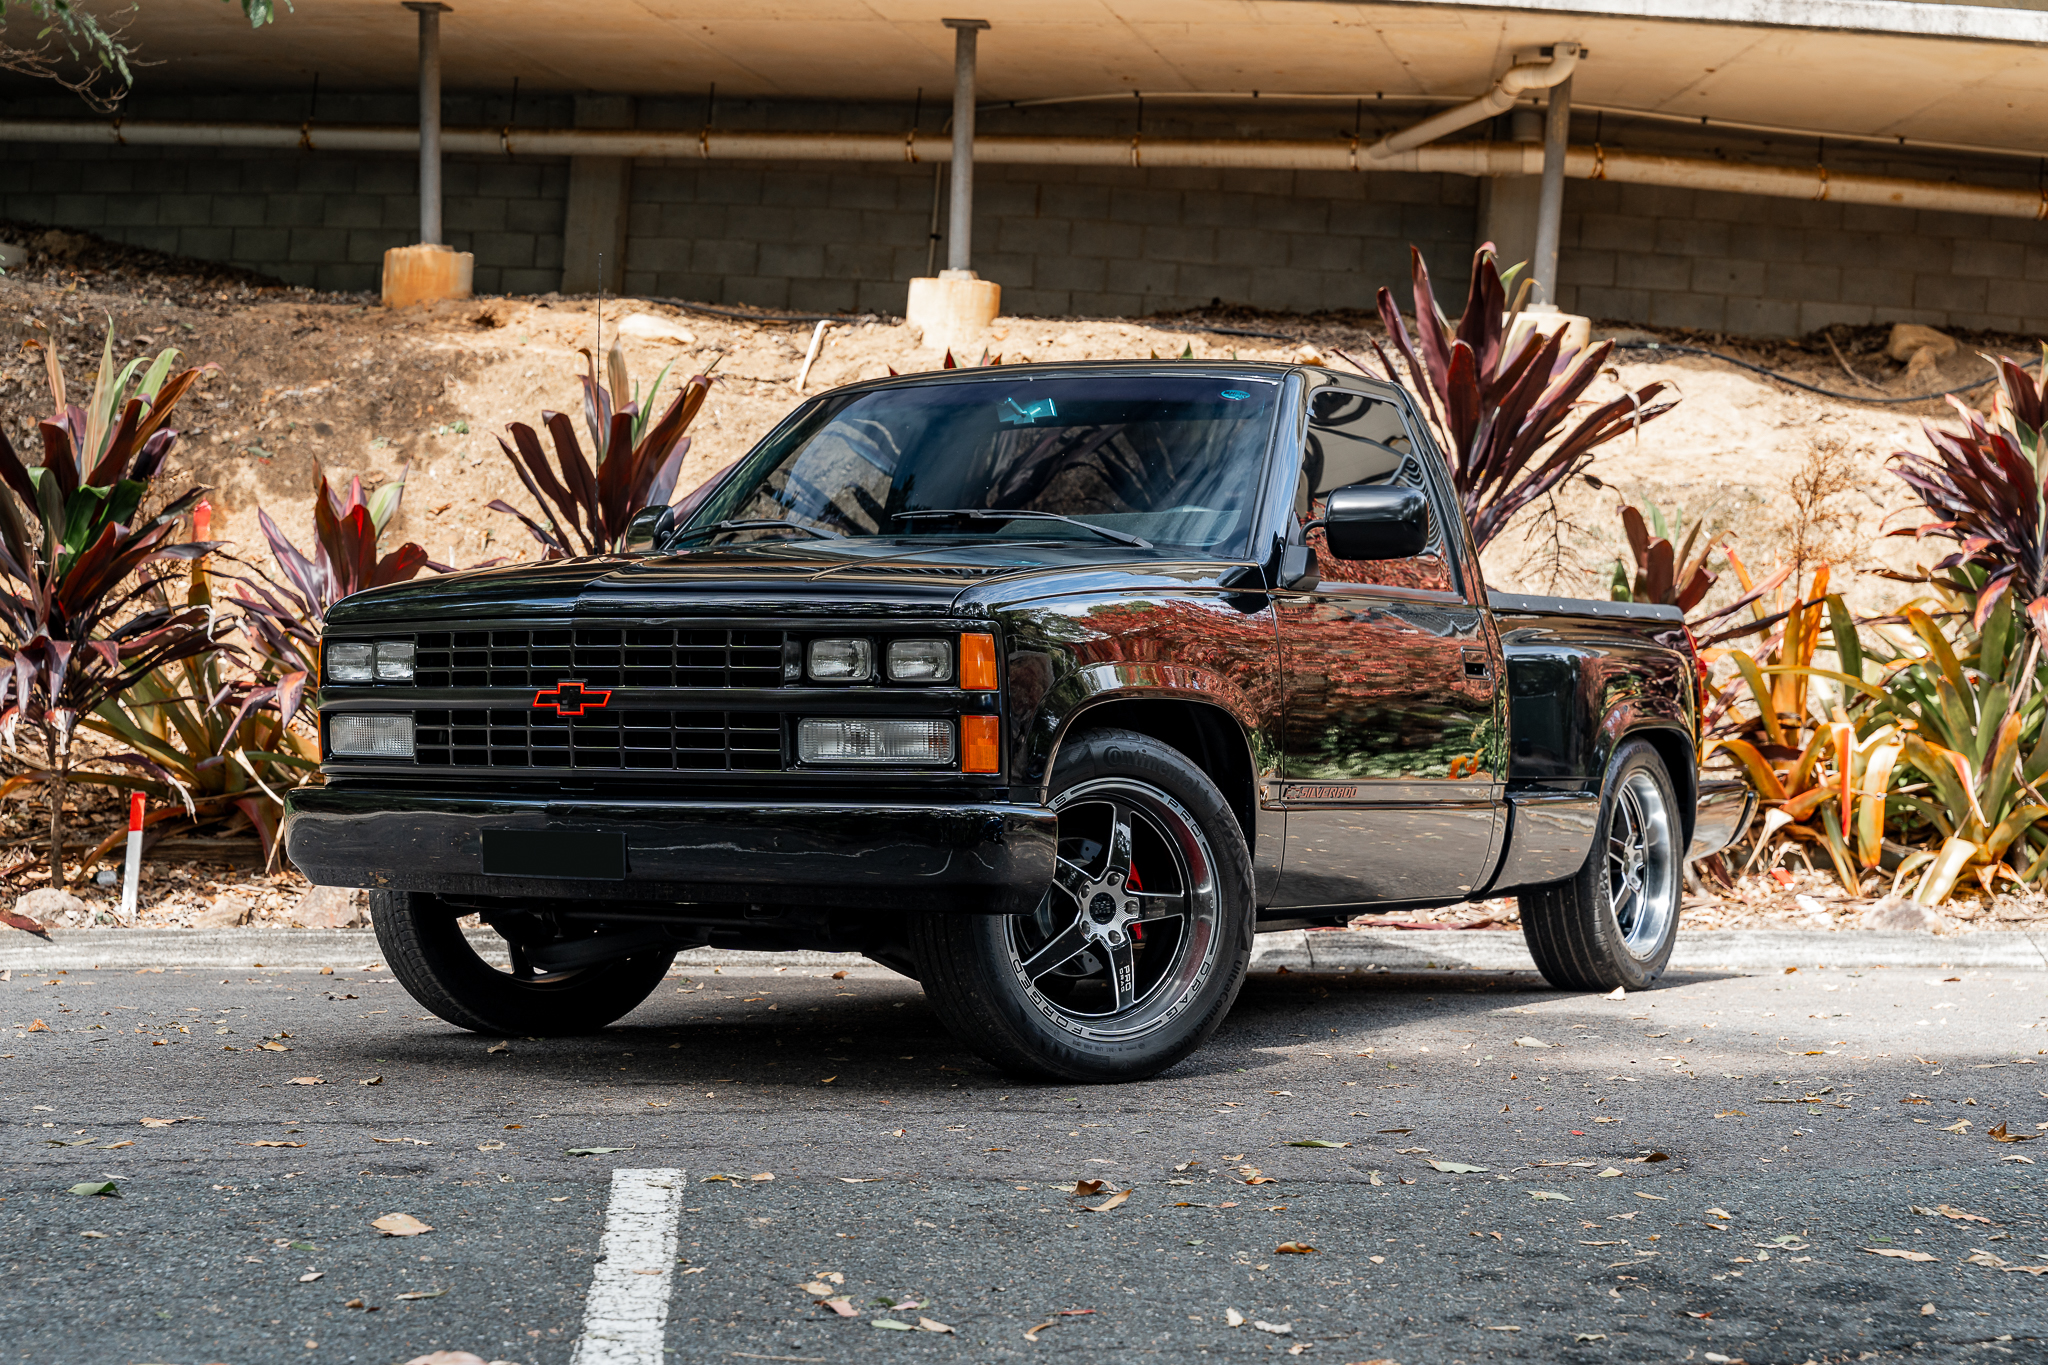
(1393, 701)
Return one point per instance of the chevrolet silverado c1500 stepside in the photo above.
(1047, 685)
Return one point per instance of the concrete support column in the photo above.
(1508, 203)
(953, 309)
(960, 217)
(1557, 127)
(429, 271)
(430, 12)
(600, 199)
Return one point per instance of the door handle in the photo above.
(1478, 665)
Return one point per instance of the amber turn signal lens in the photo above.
(978, 747)
(978, 663)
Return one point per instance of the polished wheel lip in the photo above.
(1105, 928)
(1642, 865)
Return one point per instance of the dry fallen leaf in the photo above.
(1641, 1195)
(305, 1080)
(765, 1175)
(816, 1290)
(271, 1143)
(1278, 1329)
(1946, 1211)
(842, 1307)
(927, 1325)
(437, 1293)
(1550, 1194)
(503, 1045)
(1898, 1253)
(37, 1027)
(1031, 1334)
(490, 1146)
(1233, 1318)
(273, 1046)
(1530, 1042)
(1294, 1249)
(1611, 1170)
(1457, 1167)
(1087, 1187)
(399, 1225)
(311, 1276)
(1999, 1134)
(1719, 1213)
(1114, 1201)
(1959, 1126)
(1317, 1142)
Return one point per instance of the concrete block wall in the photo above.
(1060, 240)
(1751, 266)
(320, 219)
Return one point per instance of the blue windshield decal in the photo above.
(1236, 395)
(1021, 413)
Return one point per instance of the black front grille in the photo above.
(607, 740)
(599, 656)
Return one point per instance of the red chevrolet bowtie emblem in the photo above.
(571, 698)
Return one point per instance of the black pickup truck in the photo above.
(1049, 686)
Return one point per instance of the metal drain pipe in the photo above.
(1327, 154)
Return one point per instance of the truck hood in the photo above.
(872, 576)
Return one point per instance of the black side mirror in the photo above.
(1375, 521)
(648, 528)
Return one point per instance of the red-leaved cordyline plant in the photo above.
(1983, 485)
(83, 614)
(283, 620)
(1501, 395)
(587, 509)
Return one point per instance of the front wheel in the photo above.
(427, 951)
(1140, 944)
(1615, 923)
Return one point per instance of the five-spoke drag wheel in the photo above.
(1614, 924)
(1139, 945)
(427, 951)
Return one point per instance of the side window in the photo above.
(1356, 438)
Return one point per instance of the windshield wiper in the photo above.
(1003, 514)
(715, 526)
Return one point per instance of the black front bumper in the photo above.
(829, 855)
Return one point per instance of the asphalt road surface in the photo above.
(1703, 1172)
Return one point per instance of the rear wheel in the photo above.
(427, 951)
(1139, 946)
(1615, 923)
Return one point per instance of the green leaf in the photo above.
(1317, 1142)
(1458, 1168)
(1848, 644)
(105, 1187)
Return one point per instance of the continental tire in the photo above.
(1140, 945)
(1614, 923)
(425, 949)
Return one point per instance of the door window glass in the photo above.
(1356, 438)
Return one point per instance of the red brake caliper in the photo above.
(1136, 883)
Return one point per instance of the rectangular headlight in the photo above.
(370, 736)
(394, 661)
(920, 660)
(349, 662)
(842, 660)
(875, 741)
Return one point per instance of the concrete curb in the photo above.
(1730, 950)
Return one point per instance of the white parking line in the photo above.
(625, 1318)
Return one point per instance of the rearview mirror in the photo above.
(647, 529)
(1375, 521)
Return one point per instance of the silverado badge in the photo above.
(570, 698)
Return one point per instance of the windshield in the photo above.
(1171, 459)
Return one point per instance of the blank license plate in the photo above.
(554, 853)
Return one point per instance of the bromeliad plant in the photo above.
(1501, 394)
(1671, 576)
(220, 743)
(585, 508)
(83, 615)
(283, 620)
(1984, 487)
